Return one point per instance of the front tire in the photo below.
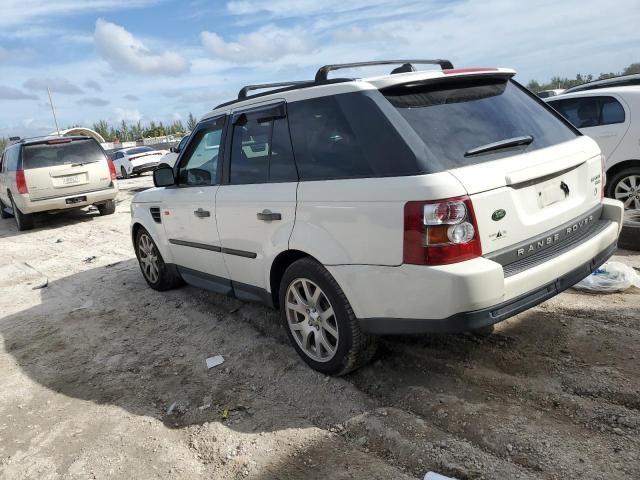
(320, 322)
(24, 221)
(625, 186)
(157, 274)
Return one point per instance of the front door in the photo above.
(188, 210)
(255, 206)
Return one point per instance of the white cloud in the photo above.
(10, 93)
(129, 116)
(93, 85)
(266, 44)
(131, 97)
(93, 101)
(19, 12)
(57, 85)
(126, 53)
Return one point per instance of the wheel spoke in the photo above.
(297, 296)
(325, 344)
(627, 203)
(623, 185)
(330, 329)
(307, 293)
(296, 307)
(620, 195)
(632, 181)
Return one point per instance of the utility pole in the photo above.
(53, 111)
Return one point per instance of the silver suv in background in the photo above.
(55, 173)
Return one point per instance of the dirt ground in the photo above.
(102, 377)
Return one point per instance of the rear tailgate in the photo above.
(526, 169)
(514, 203)
(62, 168)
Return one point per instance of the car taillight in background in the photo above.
(440, 232)
(21, 182)
(112, 169)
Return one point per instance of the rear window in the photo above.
(461, 115)
(42, 155)
(136, 150)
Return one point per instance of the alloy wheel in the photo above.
(627, 190)
(312, 320)
(148, 256)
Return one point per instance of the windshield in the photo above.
(461, 116)
(42, 155)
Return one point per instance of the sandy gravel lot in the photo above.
(92, 363)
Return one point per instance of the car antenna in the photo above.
(53, 111)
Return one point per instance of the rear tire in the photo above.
(3, 212)
(157, 274)
(123, 173)
(630, 234)
(621, 187)
(320, 322)
(107, 208)
(24, 221)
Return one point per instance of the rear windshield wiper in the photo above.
(83, 163)
(506, 143)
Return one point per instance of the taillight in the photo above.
(21, 182)
(112, 169)
(440, 232)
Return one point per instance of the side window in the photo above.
(200, 163)
(12, 157)
(261, 149)
(182, 144)
(611, 111)
(346, 136)
(119, 155)
(585, 112)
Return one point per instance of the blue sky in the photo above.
(161, 59)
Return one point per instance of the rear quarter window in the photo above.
(43, 155)
(592, 111)
(457, 116)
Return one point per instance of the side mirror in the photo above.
(163, 176)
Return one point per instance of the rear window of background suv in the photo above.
(454, 117)
(41, 155)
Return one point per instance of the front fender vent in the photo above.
(155, 214)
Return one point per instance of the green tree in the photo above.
(3, 143)
(631, 69)
(191, 122)
(102, 127)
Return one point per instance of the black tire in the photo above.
(107, 208)
(3, 212)
(354, 348)
(123, 172)
(168, 276)
(616, 179)
(630, 235)
(24, 221)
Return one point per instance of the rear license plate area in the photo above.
(74, 200)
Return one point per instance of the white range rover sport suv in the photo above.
(420, 201)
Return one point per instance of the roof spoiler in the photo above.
(407, 65)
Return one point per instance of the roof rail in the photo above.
(246, 89)
(323, 72)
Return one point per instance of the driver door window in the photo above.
(200, 165)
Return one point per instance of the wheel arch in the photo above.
(279, 265)
(622, 166)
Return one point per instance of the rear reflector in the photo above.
(21, 182)
(58, 140)
(440, 232)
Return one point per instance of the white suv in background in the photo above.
(430, 201)
(611, 116)
(55, 173)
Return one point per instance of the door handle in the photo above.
(200, 213)
(268, 215)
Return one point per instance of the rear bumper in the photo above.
(76, 200)
(471, 294)
(484, 317)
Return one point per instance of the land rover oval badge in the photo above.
(498, 215)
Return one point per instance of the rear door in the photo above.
(256, 205)
(605, 118)
(543, 176)
(188, 210)
(64, 166)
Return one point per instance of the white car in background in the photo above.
(136, 160)
(611, 116)
(170, 157)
